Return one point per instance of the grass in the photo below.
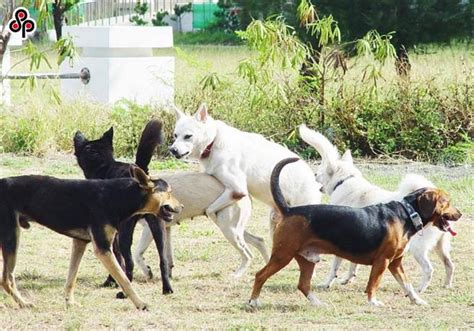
(205, 294)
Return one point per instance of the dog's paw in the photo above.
(120, 295)
(448, 285)
(254, 303)
(420, 302)
(72, 304)
(376, 303)
(347, 280)
(167, 291)
(324, 286)
(109, 282)
(314, 301)
(26, 304)
(142, 306)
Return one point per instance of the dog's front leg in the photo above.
(378, 268)
(235, 189)
(78, 248)
(398, 273)
(102, 238)
(157, 227)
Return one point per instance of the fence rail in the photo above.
(109, 12)
(105, 12)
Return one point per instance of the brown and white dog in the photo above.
(375, 235)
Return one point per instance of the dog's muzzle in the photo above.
(167, 212)
(176, 153)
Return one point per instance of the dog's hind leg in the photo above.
(102, 241)
(304, 283)
(336, 263)
(10, 241)
(145, 241)
(421, 256)
(169, 251)
(258, 243)
(443, 248)
(78, 248)
(157, 227)
(231, 221)
(351, 274)
(277, 262)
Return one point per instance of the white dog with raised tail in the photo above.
(346, 186)
(242, 161)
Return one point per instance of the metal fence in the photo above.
(104, 12)
(109, 12)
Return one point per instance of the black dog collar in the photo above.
(414, 216)
(339, 183)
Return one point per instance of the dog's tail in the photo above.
(324, 147)
(411, 183)
(275, 185)
(150, 139)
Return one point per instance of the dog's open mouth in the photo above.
(167, 213)
(180, 156)
(446, 227)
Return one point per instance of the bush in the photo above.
(206, 37)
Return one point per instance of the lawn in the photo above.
(206, 296)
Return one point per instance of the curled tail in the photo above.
(412, 182)
(150, 139)
(324, 147)
(275, 185)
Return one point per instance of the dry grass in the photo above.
(205, 294)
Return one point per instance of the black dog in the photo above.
(85, 210)
(95, 157)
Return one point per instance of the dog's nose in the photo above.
(173, 151)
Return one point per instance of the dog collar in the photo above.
(207, 151)
(339, 183)
(414, 216)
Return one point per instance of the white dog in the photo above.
(345, 185)
(196, 191)
(242, 161)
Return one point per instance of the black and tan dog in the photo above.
(85, 210)
(96, 159)
(375, 235)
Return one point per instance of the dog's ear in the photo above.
(108, 136)
(427, 203)
(142, 178)
(177, 112)
(347, 157)
(202, 114)
(79, 140)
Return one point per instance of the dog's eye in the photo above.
(175, 136)
(188, 136)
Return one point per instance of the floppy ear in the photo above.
(142, 178)
(79, 140)
(427, 203)
(347, 156)
(202, 114)
(177, 112)
(108, 136)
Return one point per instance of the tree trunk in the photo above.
(4, 39)
(58, 17)
(402, 63)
